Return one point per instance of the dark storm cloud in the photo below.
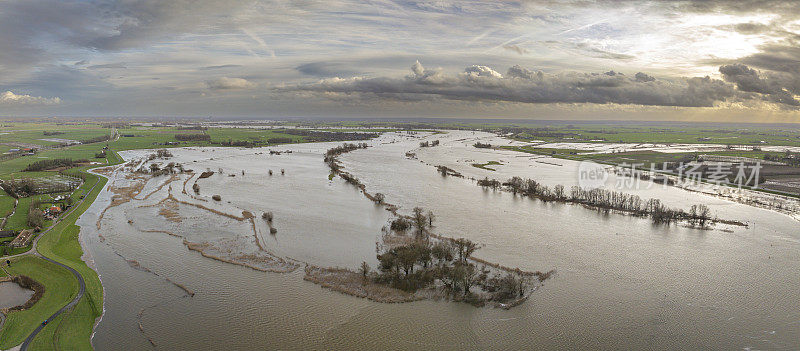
(325, 69)
(784, 57)
(774, 87)
(481, 83)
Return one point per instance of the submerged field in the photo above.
(602, 260)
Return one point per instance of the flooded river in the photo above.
(621, 282)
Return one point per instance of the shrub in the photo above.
(400, 224)
(216, 197)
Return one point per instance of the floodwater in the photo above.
(621, 282)
(12, 295)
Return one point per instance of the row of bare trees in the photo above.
(344, 148)
(602, 199)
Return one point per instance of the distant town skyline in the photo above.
(727, 61)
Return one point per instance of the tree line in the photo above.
(344, 148)
(193, 137)
(602, 199)
(333, 163)
(43, 165)
(320, 136)
(97, 139)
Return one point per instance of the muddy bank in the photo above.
(229, 251)
(352, 283)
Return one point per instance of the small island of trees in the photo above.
(416, 264)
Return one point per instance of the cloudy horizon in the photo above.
(735, 61)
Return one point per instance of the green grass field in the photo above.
(60, 287)
(19, 220)
(33, 133)
(6, 204)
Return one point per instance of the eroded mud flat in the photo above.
(622, 282)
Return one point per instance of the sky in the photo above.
(569, 59)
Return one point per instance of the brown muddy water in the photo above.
(12, 295)
(621, 282)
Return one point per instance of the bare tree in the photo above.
(364, 270)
